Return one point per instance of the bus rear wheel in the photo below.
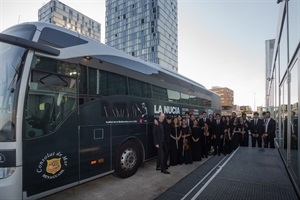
(128, 159)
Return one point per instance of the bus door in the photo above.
(95, 141)
(50, 139)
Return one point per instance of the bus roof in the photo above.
(109, 54)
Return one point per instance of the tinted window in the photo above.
(159, 93)
(51, 98)
(82, 80)
(59, 39)
(138, 88)
(55, 66)
(106, 83)
(23, 31)
(97, 82)
(117, 84)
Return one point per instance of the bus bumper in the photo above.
(11, 187)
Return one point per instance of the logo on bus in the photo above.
(52, 165)
(166, 109)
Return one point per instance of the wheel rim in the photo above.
(128, 159)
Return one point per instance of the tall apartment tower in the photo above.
(146, 29)
(269, 48)
(56, 12)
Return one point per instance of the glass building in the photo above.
(58, 13)
(146, 29)
(283, 85)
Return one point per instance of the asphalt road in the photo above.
(146, 184)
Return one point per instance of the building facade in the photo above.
(283, 85)
(147, 29)
(269, 47)
(227, 97)
(56, 12)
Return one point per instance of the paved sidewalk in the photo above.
(248, 173)
(146, 184)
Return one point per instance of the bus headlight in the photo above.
(6, 172)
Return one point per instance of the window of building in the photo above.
(283, 52)
(294, 25)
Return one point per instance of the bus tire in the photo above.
(128, 159)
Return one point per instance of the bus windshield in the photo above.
(10, 61)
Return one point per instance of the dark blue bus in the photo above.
(73, 109)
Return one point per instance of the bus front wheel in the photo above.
(128, 159)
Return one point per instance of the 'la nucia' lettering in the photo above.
(166, 109)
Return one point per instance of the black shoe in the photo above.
(158, 168)
(206, 156)
(165, 172)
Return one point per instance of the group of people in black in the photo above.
(186, 139)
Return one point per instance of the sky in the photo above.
(220, 42)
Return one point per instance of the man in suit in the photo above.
(167, 123)
(269, 133)
(256, 129)
(218, 134)
(159, 141)
(187, 118)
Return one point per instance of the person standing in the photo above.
(175, 143)
(218, 134)
(245, 132)
(167, 136)
(160, 143)
(236, 129)
(186, 134)
(227, 137)
(270, 128)
(195, 142)
(205, 137)
(187, 118)
(256, 129)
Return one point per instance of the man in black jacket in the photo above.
(256, 129)
(270, 128)
(218, 134)
(160, 143)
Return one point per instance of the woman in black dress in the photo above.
(175, 143)
(186, 136)
(195, 142)
(236, 132)
(227, 136)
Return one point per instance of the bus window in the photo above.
(139, 88)
(50, 99)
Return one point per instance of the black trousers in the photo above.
(162, 154)
(269, 140)
(256, 140)
(218, 146)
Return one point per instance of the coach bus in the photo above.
(73, 109)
